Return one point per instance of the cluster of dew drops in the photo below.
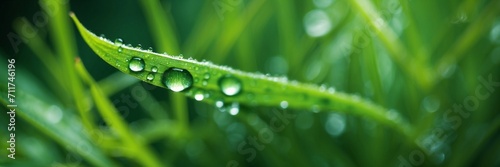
(179, 79)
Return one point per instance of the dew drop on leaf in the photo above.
(118, 41)
(150, 77)
(206, 76)
(154, 69)
(136, 64)
(120, 49)
(230, 85)
(199, 95)
(234, 109)
(177, 79)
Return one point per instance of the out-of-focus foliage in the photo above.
(435, 63)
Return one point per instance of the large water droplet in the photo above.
(136, 64)
(118, 41)
(177, 79)
(230, 85)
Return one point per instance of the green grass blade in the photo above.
(256, 89)
(112, 117)
(40, 109)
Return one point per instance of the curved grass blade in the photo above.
(41, 110)
(212, 83)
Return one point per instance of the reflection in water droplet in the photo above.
(335, 124)
(230, 85)
(317, 23)
(177, 79)
(120, 49)
(136, 64)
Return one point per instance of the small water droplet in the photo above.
(120, 49)
(204, 83)
(219, 104)
(235, 109)
(177, 79)
(150, 77)
(139, 46)
(317, 23)
(150, 49)
(199, 95)
(335, 124)
(284, 104)
(154, 69)
(118, 41)
(206, 76)
(136, 64)
(230, 85)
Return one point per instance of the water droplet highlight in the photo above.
(230, 85)
(177, 79)
(120, 49)
(136, 64)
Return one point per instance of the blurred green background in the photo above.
(421, 59)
